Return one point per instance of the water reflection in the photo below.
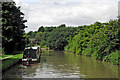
(59, 64)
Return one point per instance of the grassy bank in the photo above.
(4, 56)
(10, 60)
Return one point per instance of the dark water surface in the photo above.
(58, 64)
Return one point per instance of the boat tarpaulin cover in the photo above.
(31, 52)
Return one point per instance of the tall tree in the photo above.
(41, 29)
(12, 28)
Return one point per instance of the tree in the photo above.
(49, 29)
(32, 34)
(12, 28)
(41, 29)
(58, 38)
(99, 40)
(62, 25)
(38, 36)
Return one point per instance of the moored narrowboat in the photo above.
(31, 55)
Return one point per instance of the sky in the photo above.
(70, 12)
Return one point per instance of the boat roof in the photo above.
(31, 47)
(34, 47)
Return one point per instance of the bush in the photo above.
(113, 58)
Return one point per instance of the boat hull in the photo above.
(28, 61)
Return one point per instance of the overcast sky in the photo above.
(70, 12)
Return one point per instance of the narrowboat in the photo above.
(31, 55)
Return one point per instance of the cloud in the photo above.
(56, 12)
(17, 2)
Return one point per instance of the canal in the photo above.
(59, 64)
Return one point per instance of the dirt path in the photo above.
(5, 58)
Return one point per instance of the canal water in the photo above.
(59, 64)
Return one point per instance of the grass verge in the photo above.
(1, 57)
(8, 61)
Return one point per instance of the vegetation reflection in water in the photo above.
(58, 64)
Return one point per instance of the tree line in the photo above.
(99, 40)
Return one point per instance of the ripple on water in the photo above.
(71, 76)
(74, 73)
(83, 76)
(61, 65)
(77, 71)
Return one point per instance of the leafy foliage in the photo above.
(53, 37)
(99, 40)
(12, 28)
(59, 37)
(113, 57)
